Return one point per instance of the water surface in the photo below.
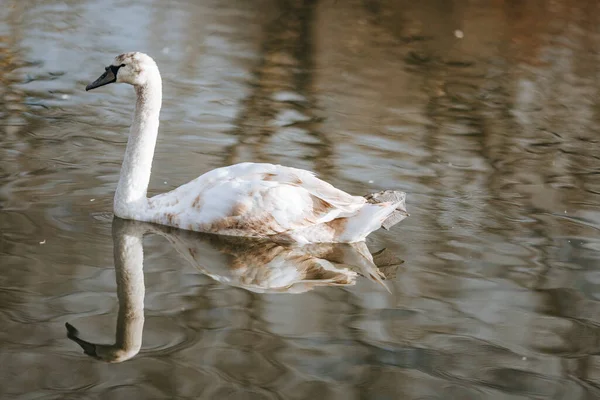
(486, 113)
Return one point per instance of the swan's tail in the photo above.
(383, 209)
(397, 198)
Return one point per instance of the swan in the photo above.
(260, 200)
(256, 265)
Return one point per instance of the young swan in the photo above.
(247, 199)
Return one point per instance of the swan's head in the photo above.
(132, 68)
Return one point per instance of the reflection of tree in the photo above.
(24, 110)
(543, 111)
(282, 82)
(11, 97)
(510, 119)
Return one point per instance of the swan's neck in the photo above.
(130, 198)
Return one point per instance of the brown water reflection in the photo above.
(494, 135)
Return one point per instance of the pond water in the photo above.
(485, 113)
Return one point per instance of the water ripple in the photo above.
(486, 117)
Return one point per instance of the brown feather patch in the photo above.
(168, 218)
(320, 206)
(239, 209)
(244, 226)
(197, 202)
(338, 226)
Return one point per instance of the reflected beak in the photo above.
(107, 77)
(72, 333)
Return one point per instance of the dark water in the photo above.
(485, 112)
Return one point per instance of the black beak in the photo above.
(107, 77)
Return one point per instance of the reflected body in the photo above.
(255, 265)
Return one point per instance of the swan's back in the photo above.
(267, 200)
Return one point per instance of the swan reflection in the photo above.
(255, 265)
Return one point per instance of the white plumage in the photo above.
(248, 199)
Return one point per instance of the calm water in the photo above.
(485, 112)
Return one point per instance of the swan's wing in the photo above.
(252, 199)
(282, 175)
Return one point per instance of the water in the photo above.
(486, 113)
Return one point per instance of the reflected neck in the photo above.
(130, 198)
(129, 270)
(129, 260)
